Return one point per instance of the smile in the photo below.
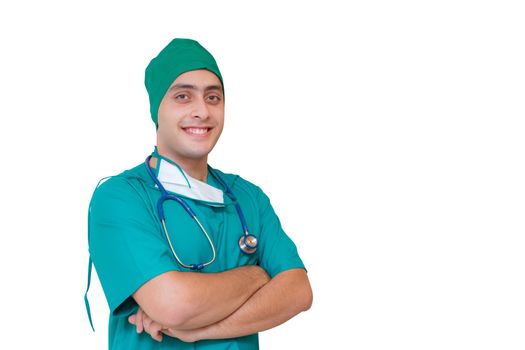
(196, 131)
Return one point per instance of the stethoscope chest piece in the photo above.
(248, 243)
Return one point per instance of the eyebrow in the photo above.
(193, 87)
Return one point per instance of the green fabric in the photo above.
(128, 247)
(180, 56)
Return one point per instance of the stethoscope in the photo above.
(247, 242)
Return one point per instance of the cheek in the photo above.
(168, 118)
(220, 118)
(170, 112)
(168, 126)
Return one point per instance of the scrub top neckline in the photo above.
(176, 181)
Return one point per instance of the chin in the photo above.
(197, 155)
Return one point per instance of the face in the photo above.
(191, 117)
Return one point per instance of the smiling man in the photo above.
(190, 257)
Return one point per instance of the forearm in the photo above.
(286, 295)
(196, 300)
(218, 295)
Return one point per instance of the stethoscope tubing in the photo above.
(164, 196)
(244, 241)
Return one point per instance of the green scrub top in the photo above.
(128, 247)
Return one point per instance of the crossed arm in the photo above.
(194, 306)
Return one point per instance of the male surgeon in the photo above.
(195, 280)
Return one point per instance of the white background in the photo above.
(388, 134)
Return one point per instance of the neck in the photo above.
(196, 168)
(198, 171)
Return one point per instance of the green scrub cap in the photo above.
(180, 56)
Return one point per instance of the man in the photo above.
(189, 281)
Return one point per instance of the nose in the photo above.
(200, 108)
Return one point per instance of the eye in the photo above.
(182, 97)
(214, 99)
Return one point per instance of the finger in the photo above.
(157, 332)
(157, 337)
(139, 321)
(147, 323)
(131, 319)
(152, 328)
(168, 332)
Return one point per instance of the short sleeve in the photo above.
(125, 241)
(277, 251)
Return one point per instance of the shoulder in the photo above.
(126, 186)
(242, 187)
(236, 182)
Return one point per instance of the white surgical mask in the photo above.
(175, 180)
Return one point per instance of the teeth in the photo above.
(198, 131)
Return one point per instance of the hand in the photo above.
(144, 323)
(186, 335)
